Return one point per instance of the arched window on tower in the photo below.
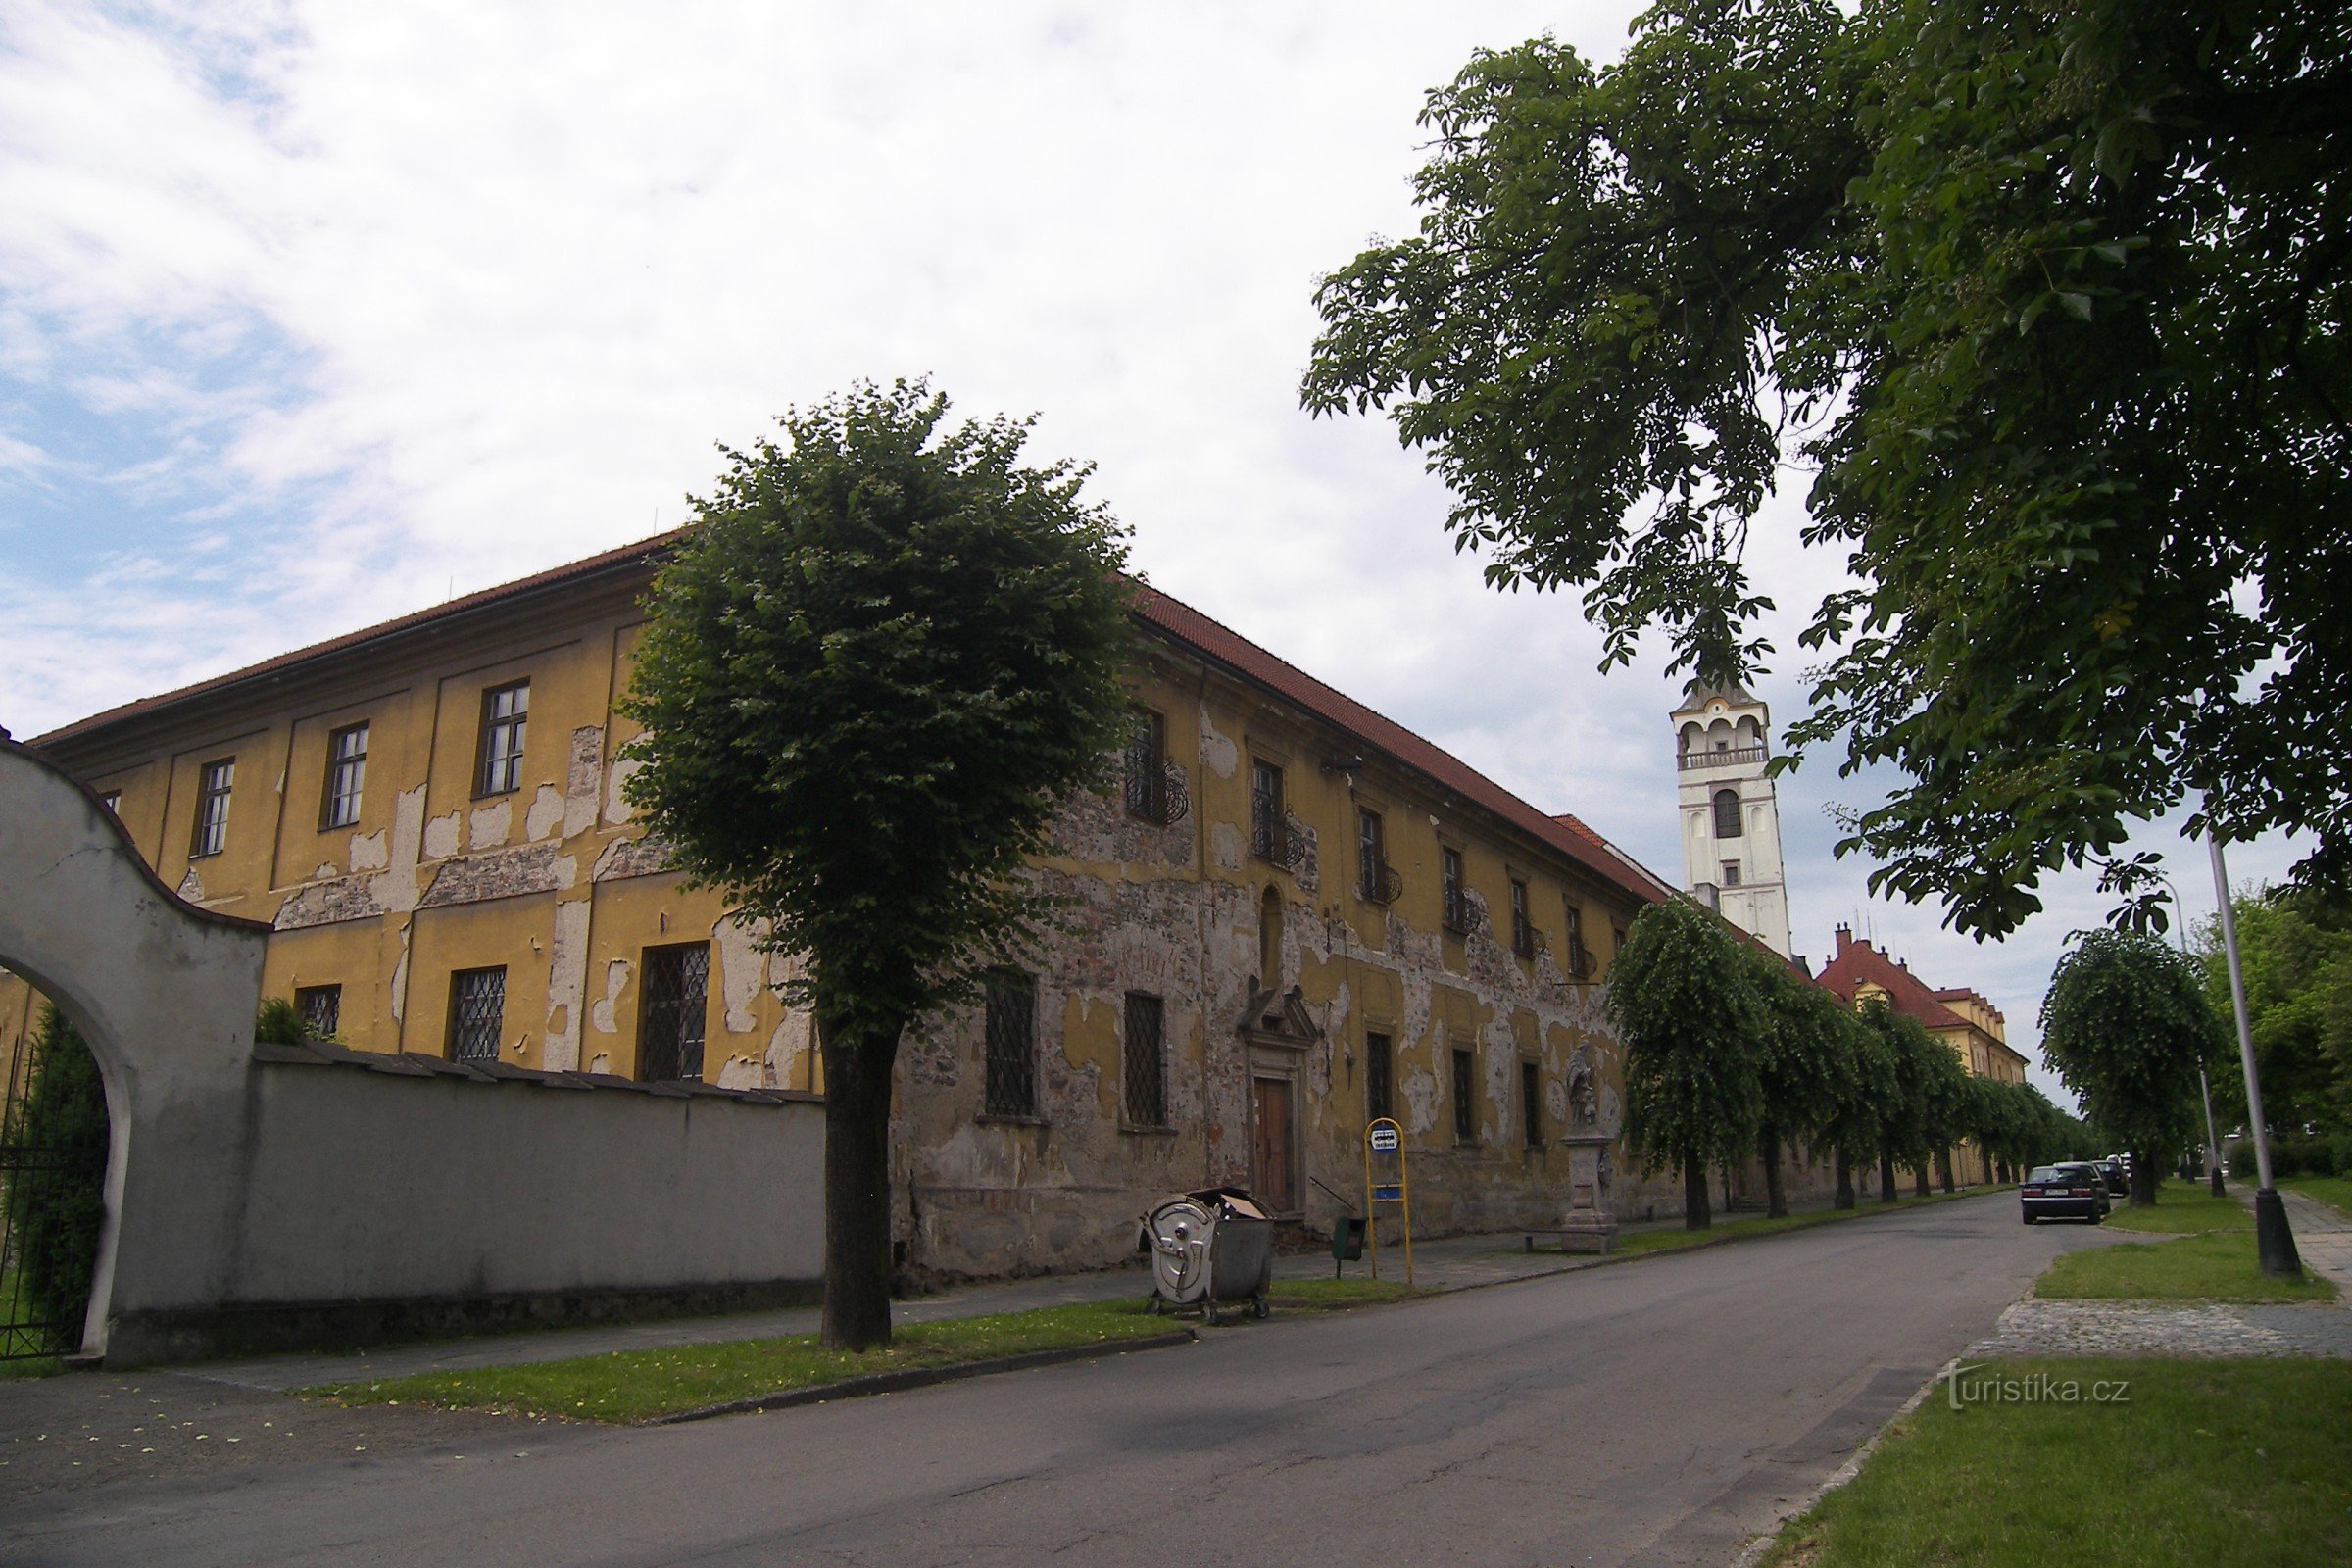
(1727, 813)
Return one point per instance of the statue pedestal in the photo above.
(1588, 1226)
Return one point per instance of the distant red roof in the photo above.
(1860, 964)
(1170, 616)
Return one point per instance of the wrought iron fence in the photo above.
(52, 1195)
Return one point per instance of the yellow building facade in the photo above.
(1290, 914)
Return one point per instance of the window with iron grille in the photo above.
(1731, 873)
(1580, 957)
(1727, 813)
(1379, 1075)
(1266, 835)
(213, 783)
(1465, 1099)
(478, 1005)
(669, 1035)
(1011, 1044)
(1523, 931)
(1146, 1098)
(506, 715)
(346, 771)
(1531, 1103)
(320, 1008)
(1375, 880)
(1456, 910)
(1146, 765)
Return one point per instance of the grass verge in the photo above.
(2333, 1190)
(2211, 1266)
(1335, 1295)
(2184, 1212)
(1637, 1242)
(2202, 1461)
(640, 1384)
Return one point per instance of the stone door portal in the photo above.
(1275, 1178)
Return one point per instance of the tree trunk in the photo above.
(2143, 1180)
(1919, 1178)
(1943, 1168)
(857, 1313)
(1887, 1193)
(1694, 1193)
(1845, 1180)
(1776, 1190)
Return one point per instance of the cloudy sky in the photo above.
(315, 315)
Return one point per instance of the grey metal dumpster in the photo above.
(1209, 1248)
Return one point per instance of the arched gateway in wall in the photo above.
(164, 993)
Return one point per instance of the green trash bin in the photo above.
(1346, 1241)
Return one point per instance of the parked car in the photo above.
(2073, 1191)
(2114, 1174)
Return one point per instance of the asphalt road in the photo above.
(1664, 1411)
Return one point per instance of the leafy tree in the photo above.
(56, 1206)
(1807, 1054)
(2126, 1023)
(883, 657)
(1868, 1108)
(2051, 300)
(1684, 1000)
(1909, 1127)
(2295, 954)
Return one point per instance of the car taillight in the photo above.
(2083, 1192)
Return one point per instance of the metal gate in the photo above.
(52, 1192)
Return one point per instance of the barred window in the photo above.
(1731, 873)
(1266, 812)
(1523, 931)
(1011, 1044)
(1380, 1074)
(1531, 1102)
(320, 1008)
(478, 1005)
(1727, 813)
(1372, 858)
(346, 771)
(1572, 928)
(213, 782)
(1465, 1099)
(506, 715)
(1146, 1098)
(1146, 765)
(669, 1033)
(1456, 910)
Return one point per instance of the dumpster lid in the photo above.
(1236, 1203)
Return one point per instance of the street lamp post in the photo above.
(2274, 1241)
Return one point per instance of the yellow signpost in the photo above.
(1386, 1182)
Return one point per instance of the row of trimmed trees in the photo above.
(1730, 1052)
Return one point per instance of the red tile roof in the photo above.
(1170, 616)
(1859, 964)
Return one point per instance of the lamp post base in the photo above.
(2273, 1242)
(2216, 1173)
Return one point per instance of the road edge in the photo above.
(1755, 1552)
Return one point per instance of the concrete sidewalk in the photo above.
(1446, 1263)
(2323, 1238)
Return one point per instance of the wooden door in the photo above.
(1274, 1179)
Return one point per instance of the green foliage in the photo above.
(1930, 1099)
(2126, 1023)
(1870, 1110)
(1684, 998)
(877, 665)
(2053, 302)
(1807, 1052)
(56, 1209)
(278, 1024)
(2295, 954)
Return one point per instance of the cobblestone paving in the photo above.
(2158, 1328)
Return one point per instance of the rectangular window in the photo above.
(1580, 957)
(112, 800)
(1374, 880)
(1266, 835)
(1531, 1102)
(1379, 1076)
(1522, 930)
(1465, 1099)
(1011, 1044)
(505, 714)
(320, 1008)
(346, 771)
(1456, 903)
(478, 1005)
(669, 1033)
(1146, 1098)
(1146, 765)
(213, 783)
(1731, 873)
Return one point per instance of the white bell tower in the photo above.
(1731, 814)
